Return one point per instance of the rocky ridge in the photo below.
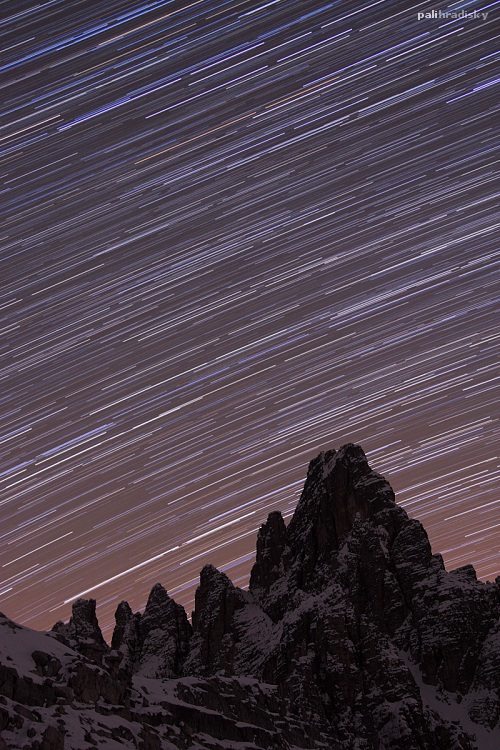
(351, 636)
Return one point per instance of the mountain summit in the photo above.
(351, 636)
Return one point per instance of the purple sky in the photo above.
(235, 234)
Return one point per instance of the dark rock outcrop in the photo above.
(352, 636)
(164, 634)
(156, 643)
(216, 602)
(82, 632)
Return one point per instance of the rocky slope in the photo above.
(352, 636)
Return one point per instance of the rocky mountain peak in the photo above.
(271, 558)
(340, 487)
(352, 636)
(216, 602)
(82, 632)
(123, 617)
(156, 643)
(341, 494)
(157, 609)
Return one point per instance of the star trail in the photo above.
(235, 234)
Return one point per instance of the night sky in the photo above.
(235, 234)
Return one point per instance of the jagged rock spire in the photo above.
(216, 602)
(270, 559)
(82, 632)
(156, 643)
(164, 635)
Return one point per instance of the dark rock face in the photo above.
(270, 560)
(156, 643)
(352, 636)
(126, 630)
(164, 634)
(82, 632)
(216, 602)
(231, 634)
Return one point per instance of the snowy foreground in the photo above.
(352, 636)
